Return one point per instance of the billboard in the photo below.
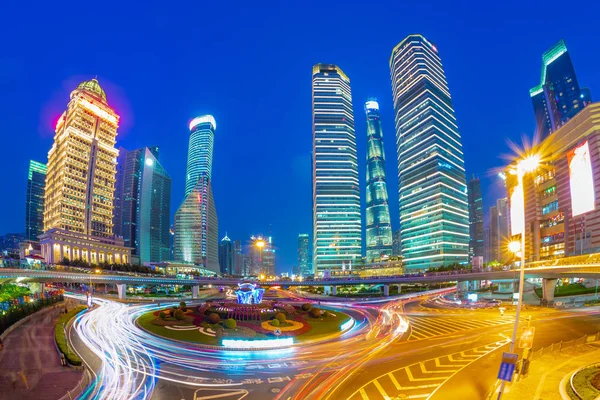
(581, 180)
(517, 213)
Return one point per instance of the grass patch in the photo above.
(324, 326)
(568, 290)
(145, 321)
(59, 335)
(583, 383)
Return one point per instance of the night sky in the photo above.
(250, 66)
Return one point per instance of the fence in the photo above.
(564, 345)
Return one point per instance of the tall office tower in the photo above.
(434, 217)
(378, 229)
(475, 219)
(196, 223)
(246, 265)
(238, 258)
(226, 255)
(336, 192)
(262, 255)
(80, 182)
(558, 97)
(396, 243)
(268, 257)
(494, 239)
(499, 231)
(487, 245)
(143, 204)
(304, 259)
(34, 204)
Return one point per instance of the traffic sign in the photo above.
(507, 367)
(277, 332)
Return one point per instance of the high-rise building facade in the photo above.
(499, 234)
(304, 259)
(226, 255)
(80, 182)
(476, 233)
(34, 204)
(200, 150)
(268, 257)
(396, 243)
(143, 204)
(558, 97)
(262, 256)
(434, 217)
(336, 192)
(378, 225)
(238, 258)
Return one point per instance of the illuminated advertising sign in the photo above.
(517, 213)
(581, 180)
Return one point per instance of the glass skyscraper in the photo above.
(475, 219)
(143, 204)
(336, 192)
(196, 223)
(34, 204)
(378, 227)
(434, 217)
(558, 97)
(304, 262)
(226, 255)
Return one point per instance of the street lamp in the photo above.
(527, 164)
(260, 244)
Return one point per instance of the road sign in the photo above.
(507, 367)
(277, 332)
(526, 341)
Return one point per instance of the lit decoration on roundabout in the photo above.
(249, 294)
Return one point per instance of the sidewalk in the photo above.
(547, 372)
(29, 364)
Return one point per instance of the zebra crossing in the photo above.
(425, 327)
(419, 380)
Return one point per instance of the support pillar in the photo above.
(122, 290)
(506, 287)
(334, 290)
(399, 288)
(195, 291)
(386, 290)
(548, 286)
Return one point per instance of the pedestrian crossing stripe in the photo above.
(428, 327)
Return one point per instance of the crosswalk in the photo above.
(419, 380)
(425, 327)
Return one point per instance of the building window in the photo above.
(548, 208)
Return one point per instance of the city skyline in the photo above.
(172, 125)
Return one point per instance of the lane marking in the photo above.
(380, 388)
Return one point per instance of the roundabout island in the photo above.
(248, 323)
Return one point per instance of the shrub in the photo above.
(162, 315)
(179, 315)
(204, 324)
(230, 323)
(275, 322)
(214, 318)
(326, 314)
(173, 310)
(306, 306)
(183, 306)
(281, 317)
(315, 312)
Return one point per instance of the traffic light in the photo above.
(526, 341)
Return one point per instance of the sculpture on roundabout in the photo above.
(248, 293)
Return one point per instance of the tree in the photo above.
(214, 318)
(230, 323)
(275, 322)
(162, 315)
(280, 317)
(306, 306)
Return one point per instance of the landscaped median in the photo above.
(236, 325)
(61, 340)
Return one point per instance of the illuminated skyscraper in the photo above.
(196, 223)
(226, 255)
(558, 97)
(336, 193)
(143, 204)
(304, 261)
(475, 219)
(238, 258)
(378, 229)
(34, 204)
(262, 255)
(434, 218)
(80, 182)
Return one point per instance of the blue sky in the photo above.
(249, 64)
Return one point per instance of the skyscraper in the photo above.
(226, 255)
(336, 193)
(558, 97)
(304, 267)
(262, 255)
(196, 223)
(143, 204)
(499, 235)
(378, 229)
(268, 257)
(475, 219)
(434, 218)
(238, 258)
(34, 204)
(80, 182)
(396, 243)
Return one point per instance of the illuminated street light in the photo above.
(514, 246)
(260, 244)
